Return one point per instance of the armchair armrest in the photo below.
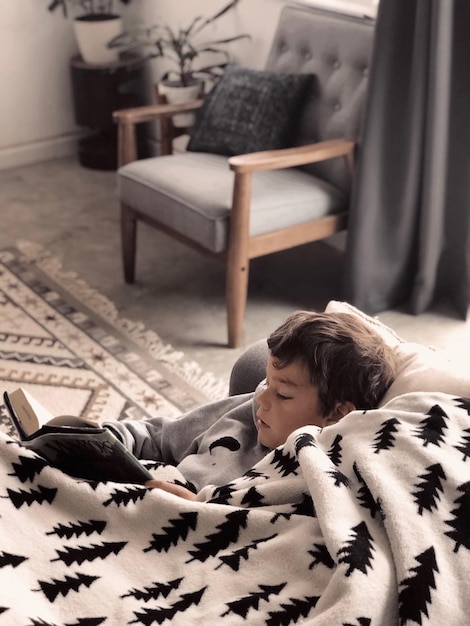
(243, 247)
(141, 114)
(127, 119)
(292, 157)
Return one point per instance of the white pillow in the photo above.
(388, 335)
(427, 369)
(420, 368)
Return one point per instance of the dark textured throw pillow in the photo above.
(249, 110)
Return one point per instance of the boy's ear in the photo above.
(340, 410)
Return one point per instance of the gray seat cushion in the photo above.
(192, 194)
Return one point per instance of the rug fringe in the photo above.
(189, 371)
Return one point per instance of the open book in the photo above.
(77, 447)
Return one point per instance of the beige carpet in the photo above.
(68, 346)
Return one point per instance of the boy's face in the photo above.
(288, 401)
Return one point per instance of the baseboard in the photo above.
(58, 147)
(35, 152)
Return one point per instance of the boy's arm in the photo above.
(170, 440)
(176, 490)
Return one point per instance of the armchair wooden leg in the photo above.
(236, 297)
(238, 262)
(128, 242)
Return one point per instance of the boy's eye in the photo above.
(282, 397)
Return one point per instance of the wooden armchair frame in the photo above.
(241, 247)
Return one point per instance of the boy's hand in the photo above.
(176, 490)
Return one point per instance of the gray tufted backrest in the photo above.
(335, 48)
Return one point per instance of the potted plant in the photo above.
(95, 24)
(182, 48)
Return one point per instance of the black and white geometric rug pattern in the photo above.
(67, 345)
(363, 523)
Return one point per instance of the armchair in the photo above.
(240, 207)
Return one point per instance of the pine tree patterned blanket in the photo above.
(362, 523)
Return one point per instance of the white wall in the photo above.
(36, 111)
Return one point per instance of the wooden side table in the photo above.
(98, 90)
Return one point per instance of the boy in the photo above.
(321, 366)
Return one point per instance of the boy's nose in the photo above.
(262, 386)
(262, 397)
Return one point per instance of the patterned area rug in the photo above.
(66, 344)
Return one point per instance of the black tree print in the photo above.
(427, 493)
(228, 532)
(124, 496)
(178, 531)
(234, 559)
(305, 440)
(32, 496)
(364, 495)
(64, 586)
(357, 552)
(11, 559)
(305, 506)
(339, 478)
(415, 594)
(160, 615)
(284, 462)
(155, 591)
(252, 474)
(464, 446)
(431, 429)
(292, 612)
(334, 453)
(464, 403)
(252, 498)
(385, 438)
(81, 554)
(461, 523)
(252, 601)
(28, 467)
(223, 494)
(79, 528)
(321, 556)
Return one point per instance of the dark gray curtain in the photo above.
(409, 229)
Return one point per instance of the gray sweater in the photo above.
(210, 445)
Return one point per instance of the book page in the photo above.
(30, 412)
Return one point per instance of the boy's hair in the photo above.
(346, 360)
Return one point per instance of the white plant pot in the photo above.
(179, 95)
(93, 35)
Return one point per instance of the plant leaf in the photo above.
(218, 42)
(215, 17)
